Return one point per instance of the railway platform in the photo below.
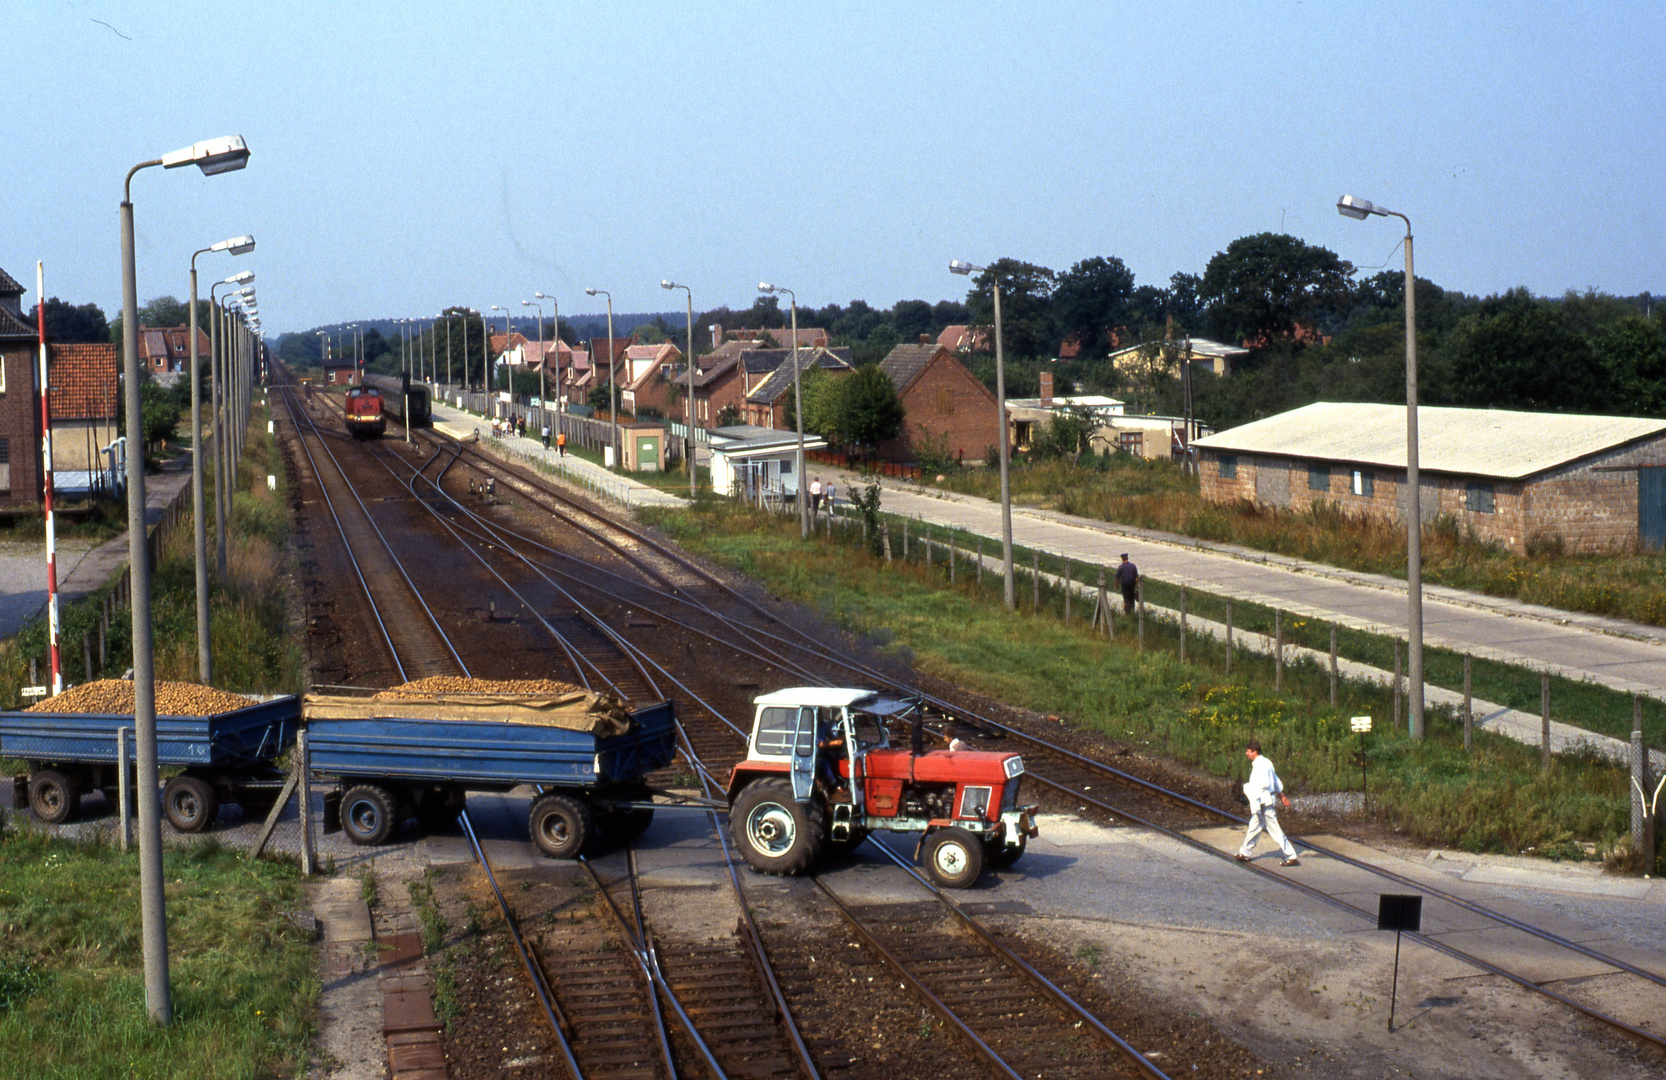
(628, 490)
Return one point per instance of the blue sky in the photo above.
(409, 156)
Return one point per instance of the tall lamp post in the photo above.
(507, 333)
(555, 343)
(543, 360)
(219, 347)
(798, 408)
(612, 383)
(239, 245)
(1010, 593)
(693, 490)
(1359, 210)
(212, 156)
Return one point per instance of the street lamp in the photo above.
(237, 245)
(543, 361)
(555, 343)
(212, 156)
(965, 269)
(612, 382)
(219, 345)
(798, 408)
(693, 491)
(1359, 210)
(506, 335)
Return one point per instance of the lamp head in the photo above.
(242, 277)
(589, 291)
(1358, 209)
(212, 156)
(237, 245)
(667, 283)
(962, 268)
(765, 287)
(528, 303)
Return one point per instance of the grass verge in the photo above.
(1493, 799)
(72, 1001)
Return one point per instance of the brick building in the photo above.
(1592, 483)
(948, 409)
(20, 435)
(771, 393)
(167, 349)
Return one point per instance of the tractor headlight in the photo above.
(1014, 766)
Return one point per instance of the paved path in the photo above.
(625, 489)
(1624, 656)
(81, 569)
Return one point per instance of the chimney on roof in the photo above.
(925, 339)
(717, 334)
(1046, 388)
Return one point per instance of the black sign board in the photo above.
(1399, 912)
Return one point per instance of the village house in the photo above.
(645, 381)
(1516, 479)
(20, 435)
(963, 339)
(771, 395)
(1114, 427)
(949, 411)
(781, 337)
(1206, 355)
(84, 391)
(166, 350)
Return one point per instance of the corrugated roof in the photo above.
(1468, 442)
(781, 379)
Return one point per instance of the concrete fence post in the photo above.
(1035, 581)
(1278, 650)
(980, 563)
(952, 559)
(1333, 679)
(1102, 606)
(1396, 682)
(1067, 591)
(1469, 710)
(1139, 596)
(1182, 624)
(1229, 635)
(303, 793)
(124, 794)
(885, 540)
(1544, 721)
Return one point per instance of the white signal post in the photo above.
(46, 492)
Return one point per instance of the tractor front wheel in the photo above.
(776, 833)
(954, 858)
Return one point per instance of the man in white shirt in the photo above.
(1264, 791)
(815, 496)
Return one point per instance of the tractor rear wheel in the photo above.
(776, 833)
(53, 796)
(190, 803)
(954, 858)
(560, 826)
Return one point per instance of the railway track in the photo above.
(1088, 782)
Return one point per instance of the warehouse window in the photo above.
(1132, 442)
(1363, 482)
(1478, 498)
(945, 401)
(1229, 466)
(1318, 478)
(5, 467)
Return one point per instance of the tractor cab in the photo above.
(849, 761)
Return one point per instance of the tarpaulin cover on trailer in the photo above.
(597, 714)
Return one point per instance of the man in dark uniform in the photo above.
(1127, 576)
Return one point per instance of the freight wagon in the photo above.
(229, 756)
(395, 759)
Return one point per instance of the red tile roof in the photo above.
(83, 381)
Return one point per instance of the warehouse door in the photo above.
(1651, 507)
(1272, 481)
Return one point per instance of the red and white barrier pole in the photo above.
(46, 458)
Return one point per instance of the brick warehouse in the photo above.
(20, 436)
(947, 407)
(1594, 483)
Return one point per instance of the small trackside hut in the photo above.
(821, 772)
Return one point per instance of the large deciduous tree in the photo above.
(1026, 306)
(1519, 352)
(1091, 300)
(867, 411)
(70, 324)
(1271, 286)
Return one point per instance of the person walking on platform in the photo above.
(1264, 790)
(561, 444)
(546, 434)
(827, 497)
(815, 496)
(1128, 577)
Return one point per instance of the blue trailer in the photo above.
(395, 759)
(228, 756)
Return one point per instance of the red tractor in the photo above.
(821, 773)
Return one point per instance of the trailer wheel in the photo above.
(190, 803)
(53, 797)
(776, 833)
(367, 814)
(998, 855)
(560, 826)
(954, 858)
